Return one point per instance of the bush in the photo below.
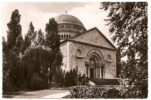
(94, 92)
(112, 93)
(70, 78)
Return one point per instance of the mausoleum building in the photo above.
(89, 51)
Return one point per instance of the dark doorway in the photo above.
(91, 73)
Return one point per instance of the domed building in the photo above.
(69, 26)
(88, 51)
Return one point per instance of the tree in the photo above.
(14, 63)
(40, 39)
(34, 70)
(70, 78)
(30, 37)
(5, 47)
(128, 22)
(11, 51)
(59, 77)
(14, 28)
(118, 63)
(53, 42)
(20, 45)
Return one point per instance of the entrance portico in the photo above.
(94, 66)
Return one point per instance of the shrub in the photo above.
(94, 92)
(112, 93)
(70, 78)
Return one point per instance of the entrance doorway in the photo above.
(91, 72)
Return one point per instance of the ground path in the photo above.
(44, 94)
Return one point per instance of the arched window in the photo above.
(78, 53)
(69, 36)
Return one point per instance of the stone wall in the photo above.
(110, 68)
(94, 37)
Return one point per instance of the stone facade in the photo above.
(89, 51)
(78, 54)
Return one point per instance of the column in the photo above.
(87, 70)
(100, 72)
(94, 69)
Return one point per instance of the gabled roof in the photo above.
(71, 40)
(99, 33)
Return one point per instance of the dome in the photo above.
(69, 19)
(69, 26)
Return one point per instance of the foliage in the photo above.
(59, 77)
(112, 93)
(5, 47)
(14, 29)
(14, 63)
(128, 22)
(38, 81)
(30, 37)
(35, 64)
(84, 80)
(53, 42)
(20, 45)
(7, 81)
(118, 63)
(94, 92)
(11, 52)
(30, 62)
(40, 38)
(70, 78)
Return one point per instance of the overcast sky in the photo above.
(39, 13)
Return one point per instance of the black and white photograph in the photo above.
(74, 49)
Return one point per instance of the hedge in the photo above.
(95, 92)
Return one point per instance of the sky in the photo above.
(39, 13)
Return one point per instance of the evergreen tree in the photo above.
(128, 22)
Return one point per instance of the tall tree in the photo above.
(11, 50)
(53, 42)
(129, 23)
(30, 37)
(14, 28)
(40, 38)
(20, 45)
